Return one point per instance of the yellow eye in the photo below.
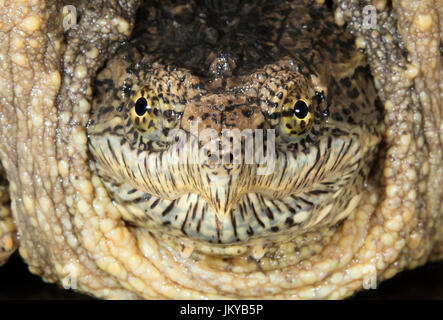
(297, 116)
(144, 113)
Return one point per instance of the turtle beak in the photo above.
(223, 188)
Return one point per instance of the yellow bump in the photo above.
(355, 271)
(122, 25)
(407, 216)
(387, 239)
(45, 203)
(276, 278)
(28, 203)
(414, 240)
(57, 229)
(420, 140)
(373, 198)
(134, 262)
(423, 22)
(379, 4)
(19, 59)
(83, 206)
(93, 53)
(411, 71)
(186, 251)
(37, 120)
(102, 22)
(86, 187)
(305, 252)
(65, 117)
(4, 212)
(391, 190)
(422, 187)
(80, 138)
(338, 17)
(8, 244)
(252, 283)
(412, 195)
(84, 106)
(307, 293)
(23, 252)
(394, 224)
(326, 265)
(405, 140)
(424, 97)
(63, 168)
(411, 175)
(388, 105)
(138, 284)
(323, 291)
(80, 72)
(96, 181)
(89, 91)
(425, 168)
(258, 252)
(390, 273)
(57, 44)
(34, 270)
(336, 278)
(360, 42)
(30, 24)
(18, 43)
(116, 269)
(55, 78)
(117, 235)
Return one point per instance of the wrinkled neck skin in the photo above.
(69, 227)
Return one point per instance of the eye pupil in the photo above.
(300, 109)
(141, 106)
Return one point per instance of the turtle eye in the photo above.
(144, 112)
(297, 116)
(141, 106)
(301, 110)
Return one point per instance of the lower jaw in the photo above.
(260, 254)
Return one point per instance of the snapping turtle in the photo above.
(114, 135)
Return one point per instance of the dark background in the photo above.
(16, 282)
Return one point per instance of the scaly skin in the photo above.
(70, 228)
(8, 236)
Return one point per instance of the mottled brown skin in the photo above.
(71, 229)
